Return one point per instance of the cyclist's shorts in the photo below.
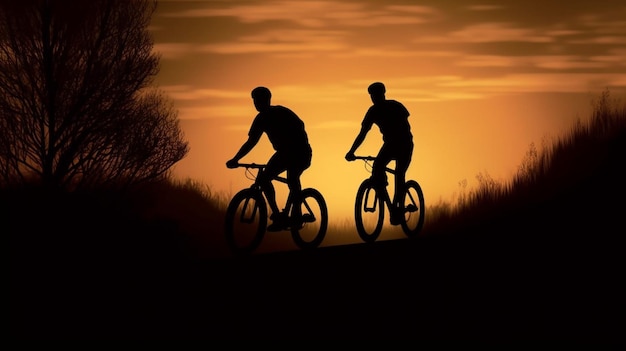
(379, 181)
(297, 160)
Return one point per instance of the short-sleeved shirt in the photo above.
(391, 117)
(284, 129)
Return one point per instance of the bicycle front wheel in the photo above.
(369, 212)
(414, 209)
(246, 219)
(315, 220)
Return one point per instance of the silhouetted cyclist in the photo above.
(391, 117)
(285, 130)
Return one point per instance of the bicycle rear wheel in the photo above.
(414, 209)
(315, 220)
(369, 212)
(246, 219)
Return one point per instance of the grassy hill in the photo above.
(539, 257)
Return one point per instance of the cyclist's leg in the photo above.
(379, 174)
(403, 160)
(295, 190)
(298, 164)
(275, 166)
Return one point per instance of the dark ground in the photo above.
(551, 271)
(486, 289)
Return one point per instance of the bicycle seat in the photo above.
(378, 182)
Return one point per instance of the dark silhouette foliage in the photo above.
(76, 106)
(582, 169)
(537, 258)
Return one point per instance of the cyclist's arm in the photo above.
(359, 139)
(253, 139)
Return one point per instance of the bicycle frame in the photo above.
(412, 206)
(383, 189)
(248, 207)
(255, 185)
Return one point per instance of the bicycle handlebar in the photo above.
(251, 165)
(366, 158)
(260, 167)
(373, 158)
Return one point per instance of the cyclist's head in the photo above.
(262, 97)
(377, 92)
(261, 93)
(377, 88)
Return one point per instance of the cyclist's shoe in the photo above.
(279, 222)
(396, 217)
(411, 208)
(308, 218)
(296, 222)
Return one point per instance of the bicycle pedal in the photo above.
(308, 218)
(410, 208)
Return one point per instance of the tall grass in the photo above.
(587, 151)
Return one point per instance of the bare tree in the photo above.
(77, 108)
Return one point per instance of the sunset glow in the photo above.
(482, 81)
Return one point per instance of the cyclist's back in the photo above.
(284, 129)
(392, 118)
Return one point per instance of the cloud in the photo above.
(553, 62)
(173, 50)
(614, 56)
(186, 92)
(374, 52)
(217, 111)
(612, 40)
(312, 13)
(489, 33)
(483, 7)
(424, 53)
(539, 83)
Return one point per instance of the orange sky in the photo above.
(482, 80)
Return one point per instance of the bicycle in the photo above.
(247, 214)
(369, 208)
